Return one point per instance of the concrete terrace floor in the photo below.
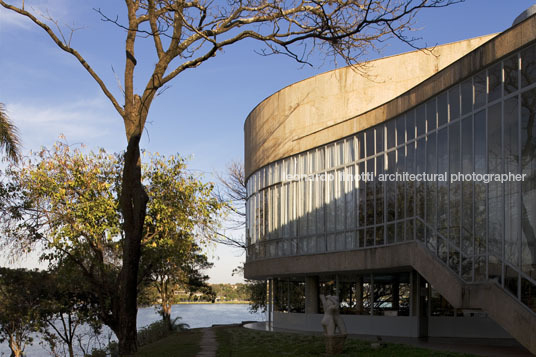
(475, 346)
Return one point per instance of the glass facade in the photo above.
(312, 203)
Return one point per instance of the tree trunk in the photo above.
(16, 350)
(166, 306)
(71, 350)
(133, 203)
(166, 314)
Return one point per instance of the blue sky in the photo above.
(48, 93)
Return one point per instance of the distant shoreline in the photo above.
(203, 303)
(208, 302)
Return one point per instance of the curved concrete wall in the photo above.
(282, 124)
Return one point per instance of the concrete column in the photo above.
(414, 295)
(371, 303)
(270, 301)
(419, 302)
(359, 295)
(396, 293)
(311, 295)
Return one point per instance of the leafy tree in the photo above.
(20, 298)
(180, 210)
(66, 201)
(187, 33)
(68, 304)
(9, 138)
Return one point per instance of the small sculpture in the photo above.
(332, 321)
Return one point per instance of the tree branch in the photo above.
(65, 47)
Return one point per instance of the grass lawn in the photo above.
(241, 342)
(180, 344)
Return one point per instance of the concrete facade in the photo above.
(337, 109)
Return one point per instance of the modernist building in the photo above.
(406, 257)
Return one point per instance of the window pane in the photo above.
(400, 185)
(495, 189)
(467, 186)
(330, 202)
(340, 200)
(512, 189)
(330, 156)
(410, 185)
(467, 96)
(319, 206)
(349, 196)
(370, 142)
(361, 198)
(339, 153)
(442, 109)
(380, 239)
(442, 187)
(431, 186)
(361, 145)
(390, 238)
(495, 81)
(479, 186)
(379, 190)
(391, 133)
(401, 130)
(511, 70)
(410, 125)
(528, 66)
(380, 140)
(421, 120)
(390, 186)
(370, 193)
(320, 159)
(528, 196)
(350, 150)
(431, 115)
(454, 102)
(479, 81)
(419, 168)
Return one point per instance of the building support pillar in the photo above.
(419, 302)
(371, 296)
(270, 302)
(359, 295)
(311, 295)
(396, 293)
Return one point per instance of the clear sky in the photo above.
(47, 92)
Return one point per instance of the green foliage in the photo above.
(257, 295)
(21, 294)
(158, 330)
(181, 210)
(68, 303)
(65, 201)
(231, 292)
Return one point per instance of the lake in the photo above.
(195, 315)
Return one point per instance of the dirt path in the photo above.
(208, 343)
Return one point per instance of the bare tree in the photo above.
(233, 194)
(186, 33)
